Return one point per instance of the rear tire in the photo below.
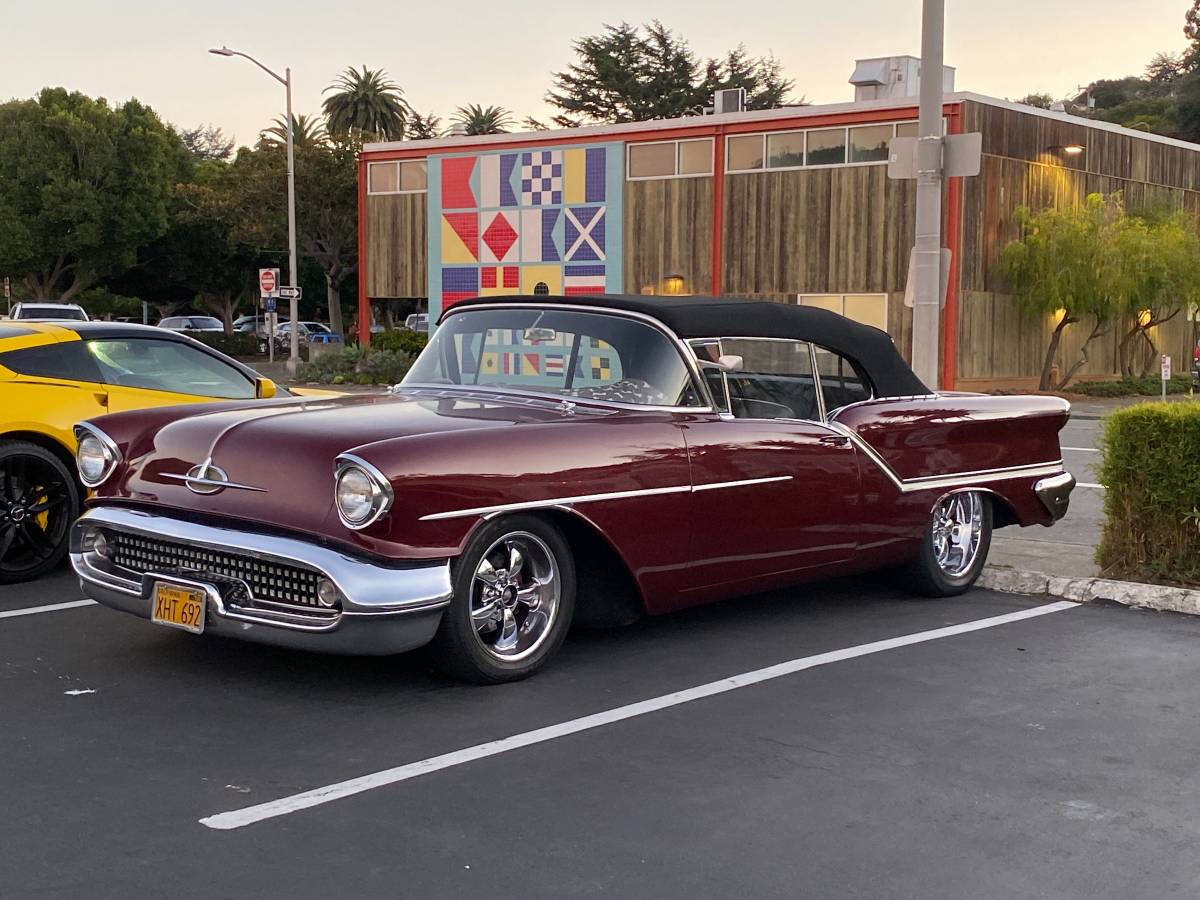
(513, 601)
(39, 500)
(955, 545)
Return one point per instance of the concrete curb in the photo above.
(1086, 590)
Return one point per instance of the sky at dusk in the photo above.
(446, 54)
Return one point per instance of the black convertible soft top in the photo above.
(701, 317)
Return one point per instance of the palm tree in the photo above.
(307, 131)
(483, 120)
(366, 102)
(421, 127)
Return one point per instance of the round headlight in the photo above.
(93, 459)
(355, 495)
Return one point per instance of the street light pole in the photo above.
(286, 81)
(927, 293)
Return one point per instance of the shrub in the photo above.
(356, 366)
(236, 344)
(1129, 387)
(1151, 472)
(400, 339)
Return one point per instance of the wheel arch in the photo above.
(1003, 512)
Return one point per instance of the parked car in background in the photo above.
(310, 333)
(192, 323)
(551, 458)
(53, 375)
(417, 322)
(48, 311)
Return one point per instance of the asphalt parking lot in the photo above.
(1048, 752)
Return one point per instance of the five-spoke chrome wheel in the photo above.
(515, 595)
(958, 532)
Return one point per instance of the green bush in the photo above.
(400, 339)
(1151, 472)
(356, 366)
(1132, 387)
(236, 344)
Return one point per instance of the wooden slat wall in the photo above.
(996, 344)
(668, 232)
(839, 230)
(396, 246)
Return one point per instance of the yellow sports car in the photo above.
(54, 374)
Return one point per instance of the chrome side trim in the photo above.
(367, 586)
(950, 480)
(217, 484)
(595, 498)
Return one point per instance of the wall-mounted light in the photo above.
(1068, 149)
(673, 285)
(1144, 317)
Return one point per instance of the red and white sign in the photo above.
(268, 282)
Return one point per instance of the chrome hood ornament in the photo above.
(209, 479)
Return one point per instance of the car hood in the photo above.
(279, 456)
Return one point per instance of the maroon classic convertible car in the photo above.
(550, 459)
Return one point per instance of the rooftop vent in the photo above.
(886, 77)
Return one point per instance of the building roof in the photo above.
(641, 130)
(705, 317)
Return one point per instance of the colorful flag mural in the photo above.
(525, 221)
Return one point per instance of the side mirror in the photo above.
(727, 363)
(264, 388)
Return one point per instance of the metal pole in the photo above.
(927, 292)
(294, 358)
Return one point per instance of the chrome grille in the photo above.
(269, 582)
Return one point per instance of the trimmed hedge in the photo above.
(1131, 387)
(401, 340)
(1151, 472)
(356, 366)
(236, 344)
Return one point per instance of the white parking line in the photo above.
(1090, 484)
(1082, 449)
(240, 818)
(53, 607)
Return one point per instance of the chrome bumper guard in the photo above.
(381, 609)
(1055, 493)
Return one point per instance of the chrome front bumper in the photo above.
(383, 609)
(1055, 493)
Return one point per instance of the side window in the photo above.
(775, 380)
(710, 351)
(68, 361)
(168, 366)
(841, 381)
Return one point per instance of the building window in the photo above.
(869, 309)
(744, 154)
(870, 143)
(396, 177)
(670, 159)
(786, 150)
(857, 145)
(826, 147)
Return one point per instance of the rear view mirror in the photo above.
(533, 335)
(264, 388)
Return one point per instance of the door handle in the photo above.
(834, 440)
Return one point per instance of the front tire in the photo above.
(39, 499)
(513, 601)
(955, 545)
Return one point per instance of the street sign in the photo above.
(961, 156)
(1166, 368)
(7, 288)
(269, 304)
(288, 292)
(268, 282)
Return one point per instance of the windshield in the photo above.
(168, 366)
(52, 312)
(574, 354)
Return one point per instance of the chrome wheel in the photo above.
(958, 532)
(515, 596)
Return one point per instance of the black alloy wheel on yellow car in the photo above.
(39, 499)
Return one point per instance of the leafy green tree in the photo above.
(1041, 101)
(1164, 68)
(206, 142)
(422, 127)
(368, 103)
(1064, 266)
(630, 74)
(307, 131)
(82, 186)
(1187, 107)
(1191, 30)
(483, 120)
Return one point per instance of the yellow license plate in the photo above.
(178, 606)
